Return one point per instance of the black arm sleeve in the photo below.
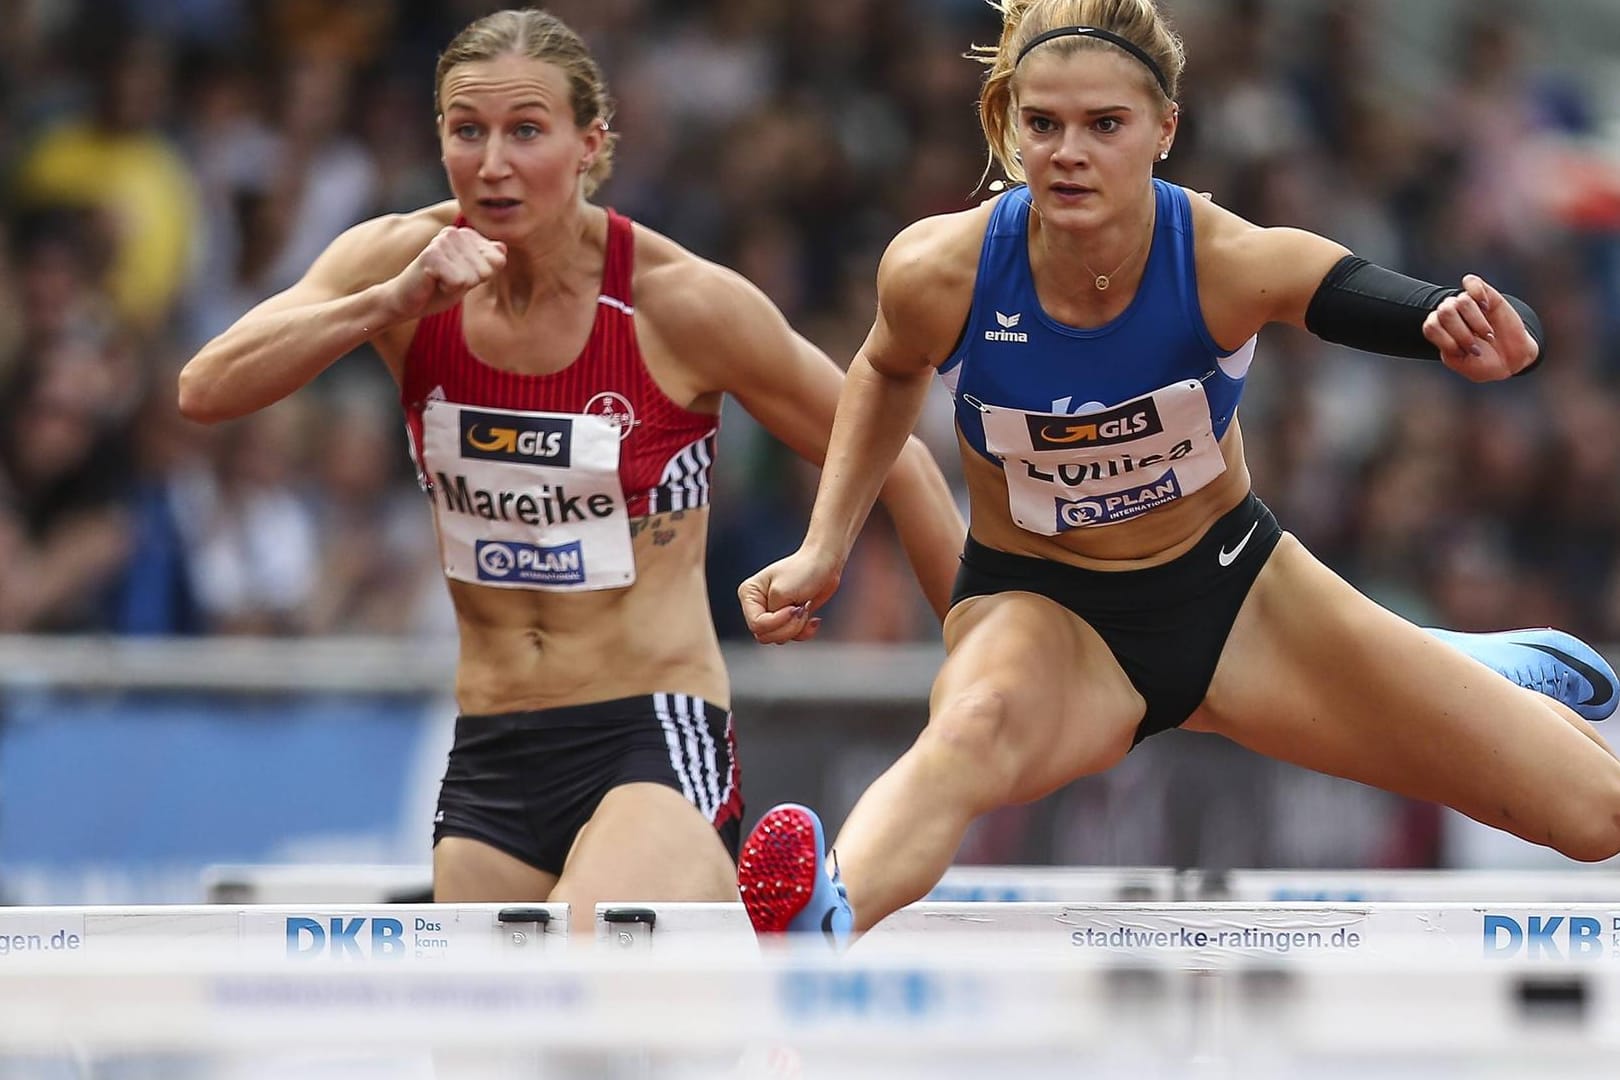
(1365, 306)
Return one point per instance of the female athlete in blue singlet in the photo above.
(1095, 326)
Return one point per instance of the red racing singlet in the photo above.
(665, 451)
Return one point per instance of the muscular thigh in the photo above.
(646, 842)
(1316, 674)
(468, 871)
(1063, 705)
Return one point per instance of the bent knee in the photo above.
(971, 724)
(966, 747)
(1593, 832)
(1590, 844)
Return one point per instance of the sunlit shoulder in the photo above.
(375, 250)
(925, 284)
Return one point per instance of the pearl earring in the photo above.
(1164, 155)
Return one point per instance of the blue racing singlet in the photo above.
(1093, 427)
(1015, 355)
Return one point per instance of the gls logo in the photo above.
(524, 440)
(1123, 423)
(1549, 937)
(342, 939)
(1008, 331)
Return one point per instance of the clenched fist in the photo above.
(455, 261)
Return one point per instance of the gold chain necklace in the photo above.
(1104, 280)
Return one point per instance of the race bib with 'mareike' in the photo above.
(527, 500)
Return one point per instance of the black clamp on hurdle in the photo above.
(1558, 999)
(624, 920)
(538, 917)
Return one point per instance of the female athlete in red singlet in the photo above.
(561, 371)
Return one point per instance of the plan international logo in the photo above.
(1007, 331)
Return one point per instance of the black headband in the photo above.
(1104, 35)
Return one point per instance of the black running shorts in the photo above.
(527, 782)
(1167, 624)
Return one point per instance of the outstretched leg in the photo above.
(1316, 674)
(1029, 698)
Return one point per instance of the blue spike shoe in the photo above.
(783, 879)
(1545, 660)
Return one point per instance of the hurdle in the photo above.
(1414, 886)
(333, 934)
(1012, 992)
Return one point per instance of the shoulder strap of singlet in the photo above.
(1003, 259)
(619, 266)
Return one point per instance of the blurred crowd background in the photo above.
(168, 163)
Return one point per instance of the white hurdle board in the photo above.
(1406, 935)
(1406, 886)
(302, 934)
(956, 1005)
(941, 990)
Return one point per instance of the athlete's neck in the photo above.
(561, 258)
(1076, 257)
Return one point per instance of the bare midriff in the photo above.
(524, 649)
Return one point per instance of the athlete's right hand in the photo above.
(455, 261)
(779, 601)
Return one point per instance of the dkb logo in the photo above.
(341, 938)
(1549, 937)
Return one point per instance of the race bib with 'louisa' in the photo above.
(1102, 467)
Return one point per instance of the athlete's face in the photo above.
(1089, 130)
(513, 153)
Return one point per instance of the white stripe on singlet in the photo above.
(684, 484)
(676, 742)
(700, 479)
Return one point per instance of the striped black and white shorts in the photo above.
(527, 782)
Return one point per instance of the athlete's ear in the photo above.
(1169, 127)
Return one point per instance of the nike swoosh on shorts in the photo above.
(1227, 558)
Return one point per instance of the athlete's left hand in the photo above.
(1479, 334)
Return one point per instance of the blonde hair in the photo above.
(1022, 21)
(539, 35)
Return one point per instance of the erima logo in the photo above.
(1007, 333)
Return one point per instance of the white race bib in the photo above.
(1104, 467)
(527, 500)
